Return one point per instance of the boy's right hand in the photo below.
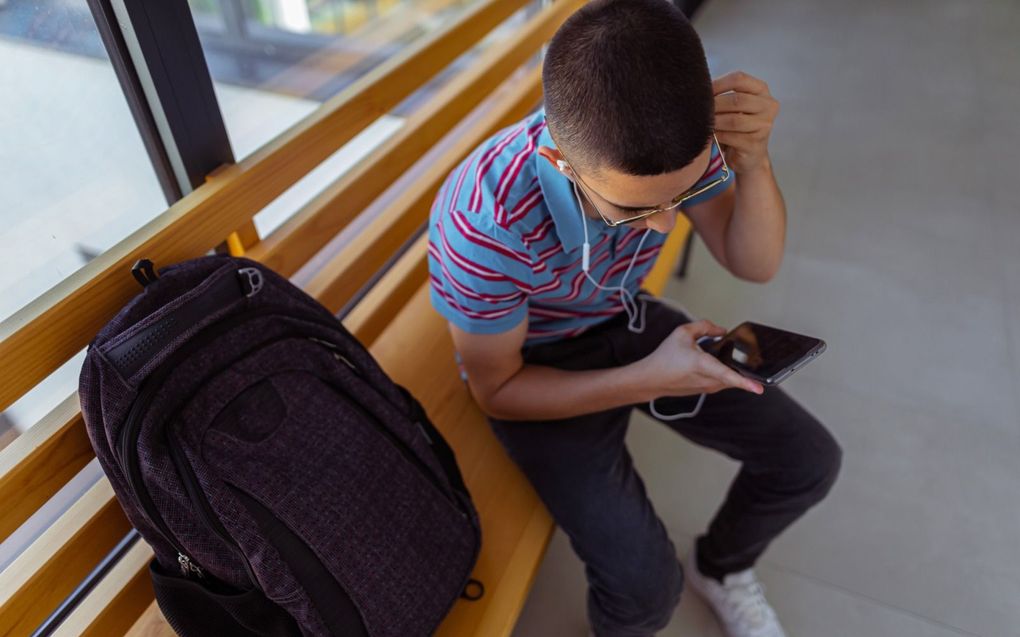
(679, 368)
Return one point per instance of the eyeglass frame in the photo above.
(674, 203)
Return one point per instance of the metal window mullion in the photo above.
(162, 42)
(134, 94)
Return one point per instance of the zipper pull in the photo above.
(188, 567)
(251, 281)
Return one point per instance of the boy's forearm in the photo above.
(756, 234)
(538, 392)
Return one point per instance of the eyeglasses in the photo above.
(675, 203)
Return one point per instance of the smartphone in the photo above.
(766, 354)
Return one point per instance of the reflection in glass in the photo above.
(74, 175)
(275, 61)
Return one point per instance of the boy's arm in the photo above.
(505, 388)
(744, 228)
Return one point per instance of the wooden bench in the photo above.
(394, 319)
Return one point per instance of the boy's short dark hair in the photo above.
(627, 86)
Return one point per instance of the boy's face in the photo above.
(618, 195)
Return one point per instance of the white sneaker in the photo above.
(739, 602)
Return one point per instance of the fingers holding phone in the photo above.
(766, 354)
(678, 367)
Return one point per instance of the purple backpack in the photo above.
(285, 483)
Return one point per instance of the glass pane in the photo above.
(275, 61)
(74, 175)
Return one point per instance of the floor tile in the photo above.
(923, 503)
(807, 607)
(926, 502)
(810, 608)
(556, 605)
(888, 340)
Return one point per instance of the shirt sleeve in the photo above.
(715, 167)
(477, 281)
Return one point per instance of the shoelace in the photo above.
(748, 602)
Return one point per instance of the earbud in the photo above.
(562, 165)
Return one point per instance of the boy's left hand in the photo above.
(744, 113)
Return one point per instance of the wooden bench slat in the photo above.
(391, 293)
(511, 592)
(39, 462)
(117, 600)
(53, 566)
(295, 242)
(665, 263)
(506, 502)
(347, 271)
(43, 335)
(151, 624)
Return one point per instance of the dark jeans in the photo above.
(584, 474)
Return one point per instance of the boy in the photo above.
(543, 235)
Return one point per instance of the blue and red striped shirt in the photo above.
(505, 242)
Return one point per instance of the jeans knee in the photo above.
(661, 602)
(825, 461)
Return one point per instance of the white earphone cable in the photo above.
(635, 313)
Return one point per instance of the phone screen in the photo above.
(762, 352)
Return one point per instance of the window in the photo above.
(74, 175)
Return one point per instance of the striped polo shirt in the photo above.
(505, 240)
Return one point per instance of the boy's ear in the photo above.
(552, 155)
(555, 158)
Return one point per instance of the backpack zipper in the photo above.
(203, 507)
(128, 438)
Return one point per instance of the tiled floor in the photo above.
(897, 149)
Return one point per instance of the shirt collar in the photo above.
(558, 192)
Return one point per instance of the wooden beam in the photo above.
(41, 461)
(53, 566)
(371, 316)
(116, 603)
